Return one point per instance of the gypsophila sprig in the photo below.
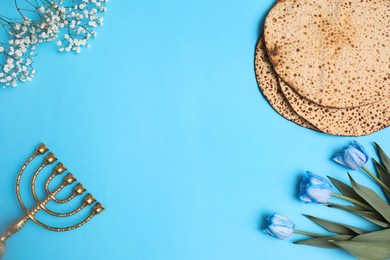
(72, 23)
(363, 202)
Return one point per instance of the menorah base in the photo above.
(2, 249)
(12, 229)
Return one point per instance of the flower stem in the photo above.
(356, 202)
(384, 186)
(310, 234)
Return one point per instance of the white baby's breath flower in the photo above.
(79, 20)
(18, 53)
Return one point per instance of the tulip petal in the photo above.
(351, 160)
(359, 157)
(319, 193)
(268, 232)
(338, 157)
(304, 198)
(361, 148)
(281, 220)
(318, 180)
(281, 232)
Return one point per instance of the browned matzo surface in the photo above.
(335, 53)
(268, 84)
(356, 121)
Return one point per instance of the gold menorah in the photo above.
(41, 205)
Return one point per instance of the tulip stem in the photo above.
(384, 186)
(356, 202)
(310, 234)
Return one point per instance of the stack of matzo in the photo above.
(325, 64)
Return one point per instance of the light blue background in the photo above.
(163, 122)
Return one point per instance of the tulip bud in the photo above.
(353, 157)
(314, 188)
(279, 226)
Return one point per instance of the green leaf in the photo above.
(375, 236)
(323, 242)
(376, 250)
(345, 207)
(383, 176)
(383, 157)
(363, 246)
(372, 198)
(346, 190)
(380, 166)
(372, 217)
(335, 227)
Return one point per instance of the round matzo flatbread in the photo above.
(335, 53)
(356, 121)
(268, 83)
